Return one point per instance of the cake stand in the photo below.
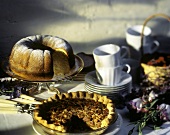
(47, 84)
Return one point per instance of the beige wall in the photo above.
(84, 23)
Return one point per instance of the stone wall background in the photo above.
(85, 24)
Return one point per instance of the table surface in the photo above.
(21, 124)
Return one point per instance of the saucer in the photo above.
(110, 94)
(123, 88)
(107, 88)
(106, 91)
(91, 78)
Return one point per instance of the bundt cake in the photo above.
(75, 112)
(41, 57)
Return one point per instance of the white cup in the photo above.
(109, 55)
(133, 38)
(110, 76)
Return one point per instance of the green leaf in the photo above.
(152, 103)
(156, 127)
(140, 133)
(143, 124)
(139, 128)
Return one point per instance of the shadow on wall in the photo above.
(23, 18)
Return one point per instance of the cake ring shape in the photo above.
(41, 57)
(74, 71)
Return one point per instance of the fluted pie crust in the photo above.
(93, 110)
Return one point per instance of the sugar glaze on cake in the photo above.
(41, 56)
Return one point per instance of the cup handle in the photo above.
(156, 45)
(126, 52)
(128, 68)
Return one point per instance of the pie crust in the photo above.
(93, 110)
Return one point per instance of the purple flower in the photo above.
(164, 111)
(136, 104)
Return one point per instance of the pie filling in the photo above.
(75, 114)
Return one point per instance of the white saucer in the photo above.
(111, 95)
(112, 130)
(92, 79)
(106, 91)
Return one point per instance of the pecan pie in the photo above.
(75, 112)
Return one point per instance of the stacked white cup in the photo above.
(108, 63)
(133, 38)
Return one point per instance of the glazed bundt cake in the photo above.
(40, 57)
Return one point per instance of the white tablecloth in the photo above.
(21, 124)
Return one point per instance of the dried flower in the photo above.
(152, 96)
(151, 105)
(164, 111)
(136, 104)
